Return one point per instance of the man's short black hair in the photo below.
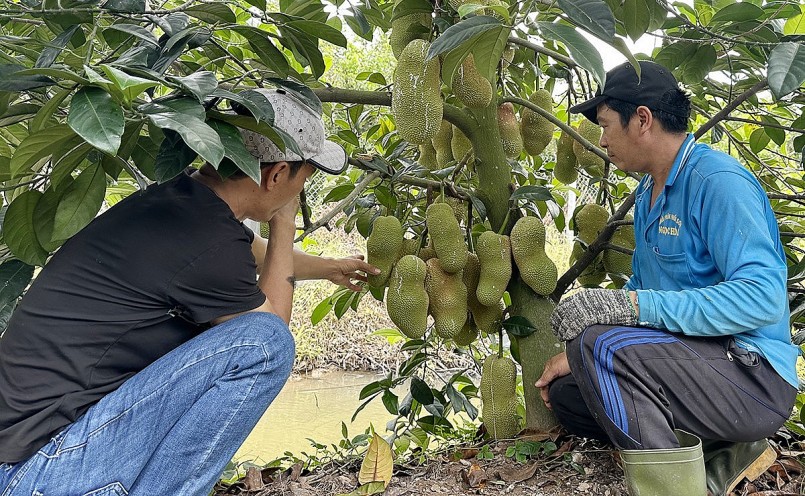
(229, 170)
(670, 122)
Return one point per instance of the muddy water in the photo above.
(312, 407)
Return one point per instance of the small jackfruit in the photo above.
(406, 299)
(590, 221)
(537, 131)
(592, 275)
(468, 334)
(486, 318)
(410, 246)
(528, 247)
(407, 28)
(509, 129)
(565, 169)
(427, 252)
(447, 238)
(460, 145)
(383, 248)
(416, 99)
(616, 263)
(427, 157)
(494, 254)
(499, 397)
(448, 299)
(459, 208)
(588, 160)
(470, 86)
(442, 144)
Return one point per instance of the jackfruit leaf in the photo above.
(390, 402)
(479, 206)
(758, 140)
(55, 74)
(786, 68)
(378, 464)
(534, 193)
(367, 489)
(18, 229)
(321, 31)
(738, 12)
(321, 311)
(304, 47)
(97, 118)
(359, 24)
(774, 131)
(12, 80)
(173, 156)
(199, 84)
(304, 93)
(265, 50)
(408, 366)
(255, 102)
(594, 16)
(412, 344)
(460, 33)
(212, 13)
(636, 17)
(129, 86)
(795, 25)
(620, 44)
(45, 214)
(486, 46)
(460, 402)
(519, 326)
(411, 7)
(136, 31)
(386, 198)
(194, 132)
(581, 50)
(235, 150)
(132, 6)
(14, 276)
(38, 145)
(55, 47)
(339, 193)
(372, 77)
(696, 67)
(80, 203)
(421, 391)
(45, 114)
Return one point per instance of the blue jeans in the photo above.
(172, 428)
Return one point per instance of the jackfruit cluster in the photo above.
(537, 131)
(494, 255)
(588, 160)
(486, 318)
(617, 264)
(416, 99)
(408, 28)
(470, 86)
(499, 397)
(528, 248)
(448, 299)
(406, 299)
(565, 169)
(509, 128)
(442, 144)
(383, 248)
(448, 240)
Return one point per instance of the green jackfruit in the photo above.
(588, 160)
(537, 131)
(486, 318)
(494, 254)
(460, 145)
(383, 248)
(408, 28)
(499, 397)
(442, 144)
(448, 299)
(406, 299)
(565, 169)
(459, 208)
(590, 221)
(427, 252)
(617, 263)
(468, 334)
(509, 129)
(473, 89)
(592, 275)
(427, 157)
(410, 246)
(445, 233)
(416, 99)
(528, 247)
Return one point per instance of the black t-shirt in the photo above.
(139, 280)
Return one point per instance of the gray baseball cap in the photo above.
(304, 125)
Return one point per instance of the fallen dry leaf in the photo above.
(253, 480)
(517, 474)
(474, 476)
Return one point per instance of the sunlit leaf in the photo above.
(378, 463)
(786, 70)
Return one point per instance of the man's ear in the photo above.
(275, 175)
(645, 118)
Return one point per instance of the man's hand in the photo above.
(285, 217)
(557, 366)
(590, 307)
(346, 270)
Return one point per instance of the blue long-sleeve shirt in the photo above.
(708, 260)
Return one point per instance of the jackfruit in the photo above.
(528, 247)
(448, 299)
(460, 145)
(565, 169)
(416, 99)
(486, 318)
(590, 221)
(383, 248)
(472, 88)
(468, 334)
(442, 144)
(499, 397)
(494, 254)
(509, 129)
(427, 252)
(410, 246)
(615, 262)
(427, 157)
(588, 160)
(459, 208)
(407, 28)
(537, 131)
(508, 56)
(592, 275)
(406, 299)
(445, 233)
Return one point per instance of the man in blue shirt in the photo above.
(699, 339)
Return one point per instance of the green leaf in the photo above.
(620, 44)
(461, 32)
(321, 311)
(758, 140)
(14, 278)
(255, 102)
(519, 326)
(135, 30)
(235, 150)
(43, 117)
(97, 118)
(696, 68)
(322, 31)
(338, 193)
(737, 12)
(582, 51)
(786, 69)
(637, 17)
(183, 105)
(268, 54)
(795, 25)
(411, 7)
(129, 86)
(675, 54)
(55, 47)
(80, 203)
(304, 93)
(195, 133)
(390, 400)
(775, 133)
(532, 193)
(18, 229)
(421, 391)
(212, 13)
(11, 80)
(132, 6)
(592, 15)
(55, 74)
(200, 84)
(173, 156)
(37, 146)
(45, 214)
(358, 23)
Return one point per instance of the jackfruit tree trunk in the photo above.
(494, 179)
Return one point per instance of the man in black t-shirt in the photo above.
(148, 347)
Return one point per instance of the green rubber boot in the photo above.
(666, 472)
(728, 463)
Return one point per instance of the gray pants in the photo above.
(634, 386)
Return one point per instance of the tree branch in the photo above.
(545, 51)
(730, 107)
(449, 187)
